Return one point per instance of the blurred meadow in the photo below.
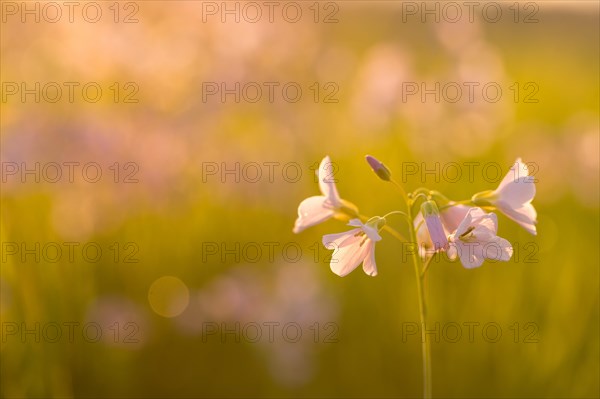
(175, 273)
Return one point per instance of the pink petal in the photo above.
(334, 241)
(452, 216)
(498, 249)
(470, 254)
(517, 193)
(473, 213)
(526, 216)
(372, 233)
(486, 224)
(312, 211)
(348, 256)
(369, 265)
(517, 171)
(327, 182)
(436, 231)
(422, 235)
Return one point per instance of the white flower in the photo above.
(475, 239)
(354, 247)
(513, 196)
(319, 208)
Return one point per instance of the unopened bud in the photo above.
(380, 169)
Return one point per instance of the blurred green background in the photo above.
(159, 288)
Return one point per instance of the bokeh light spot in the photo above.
(168, 296)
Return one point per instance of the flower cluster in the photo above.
(465, 229)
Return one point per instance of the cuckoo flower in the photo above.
(513, 197)
(475, 239)
(319, 208)
(354, 247)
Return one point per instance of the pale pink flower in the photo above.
(513, 197)
(475, 240)
(319, 208)
(354, 247)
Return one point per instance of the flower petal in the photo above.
(327, 182)
(482, 244)
(355, 223)
(334, 241)
(498, 249)
(471, 254)
(369, 265)
(517, 193)
(436, 231)
(452, 216)
(372, 233)
(312, 211)
(526, 216)
(517, 171)
(422, 234)
(348, 256)
(468, 220)
(486, 226)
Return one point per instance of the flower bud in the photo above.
(379, 168)
(431, 214)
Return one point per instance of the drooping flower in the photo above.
(438, 237)
(475, 240)
(513, 196)
(317, 209)
(354, 247)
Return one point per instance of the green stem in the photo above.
(402, 192)
(420, 195)
(418, 265)
(397, 213)
(426, 266)
(425, 345)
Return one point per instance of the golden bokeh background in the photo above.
(186, 251)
